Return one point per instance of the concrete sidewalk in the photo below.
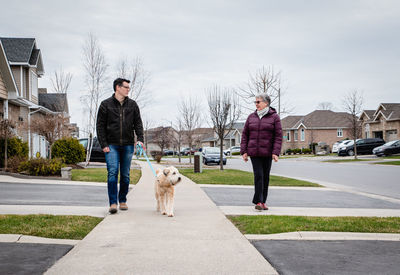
(198, 240)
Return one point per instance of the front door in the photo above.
(378, 134)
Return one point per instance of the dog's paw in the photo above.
(170, 214)
(164, 213)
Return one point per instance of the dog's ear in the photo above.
(166, 171)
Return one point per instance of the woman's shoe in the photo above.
(264, 206)
(259, 206)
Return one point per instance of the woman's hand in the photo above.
(275, 158)
(245, 157)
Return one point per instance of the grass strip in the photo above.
(395, 162)
(238, 177)
(347, 160)
(392, 157)
(100, 175)
(282, 224)
(48, 226)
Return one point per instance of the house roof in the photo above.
(56, 102)
(5, 71)
(318, 119)
(22, 50)
(369, 114)
(391, 111)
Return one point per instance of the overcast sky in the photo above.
(324, 49)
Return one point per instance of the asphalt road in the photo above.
(362, 177)
(297, 198)
(29, 258)
(52, 194)
(331, 257)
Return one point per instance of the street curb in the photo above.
(15, 238)
(325, 236)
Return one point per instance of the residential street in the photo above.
(361, 177)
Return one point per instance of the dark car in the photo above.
(167, 152)
(390, 148)
(212, 155)
(364, 146)
(97, 154)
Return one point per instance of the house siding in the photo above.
(3, 89)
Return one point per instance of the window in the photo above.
(340, 132)
(288, 135)
(303, 134)
(296, 135)
(34, 85)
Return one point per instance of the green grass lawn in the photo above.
(100, 175)
(238, 177)
(392, 157)
(281, 224)
(48, 226)
(395, 162)
(347, 160)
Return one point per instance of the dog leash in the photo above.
(140, 151)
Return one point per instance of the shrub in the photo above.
(69, 150)
(297, 151)
(15, 147)
(306, 150)
(289, 151)
(157, 155)
(14, 162)
(235, 153)
(41, 167)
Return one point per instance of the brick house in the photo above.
(384, 122)
(318, 126)
(20, 67)
(233, 138)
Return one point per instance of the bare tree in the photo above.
(60, 81)
(353, 104)
(179, 137)
(139, 77)
(224, 112)
(325, 106)
(189, 111)
(52, 127)
(265, 80)
(147, 124)
(6, 132)
(95, 67)
(162, 137)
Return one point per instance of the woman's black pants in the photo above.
(261, 169)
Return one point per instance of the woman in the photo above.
(261, 141)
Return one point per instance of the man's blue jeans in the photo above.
(119, 157)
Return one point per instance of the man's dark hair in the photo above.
(118, 82)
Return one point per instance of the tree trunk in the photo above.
(221, 153)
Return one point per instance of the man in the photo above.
(117, 121)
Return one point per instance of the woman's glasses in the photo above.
(258, 102)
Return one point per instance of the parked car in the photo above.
(390, 148)
(185, 151)
(335, 146)
(233, 149)
(212, 155)
(167, 152)
(97, 154)
(364, 146)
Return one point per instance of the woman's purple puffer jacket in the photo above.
(262, 137)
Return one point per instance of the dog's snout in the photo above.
(179, 178)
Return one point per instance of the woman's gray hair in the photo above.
(264, 97)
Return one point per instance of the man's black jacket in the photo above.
(117, 123)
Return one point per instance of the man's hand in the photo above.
(106, 149)
(245, 157)
(275, 158)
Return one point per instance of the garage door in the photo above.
(391, 135)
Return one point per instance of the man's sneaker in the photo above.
(259, 206)
(123, 206)
(113, 208)
(265, 207)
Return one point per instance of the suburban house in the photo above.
(21, 65)
(232, 138)
(318, 126)
(384, 122)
